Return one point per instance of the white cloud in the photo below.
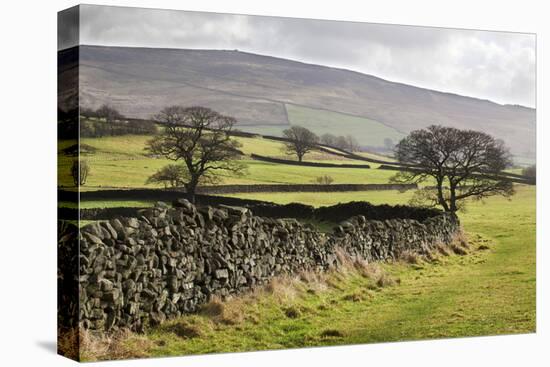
(499, 66)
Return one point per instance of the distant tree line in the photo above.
(108, 121)
(301, 141)
(347, 142)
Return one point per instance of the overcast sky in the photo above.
(498, 66)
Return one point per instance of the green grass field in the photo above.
(486, 292)
(122, 162)
(376, 156)
(366, 131)
(94, 204)
(325, 199)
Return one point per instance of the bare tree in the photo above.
(341, 142)
(109, 113)
(301, 141)
(351, 143)
(463, 163)
(173, 174)
(329, 139)
(347, 142)
(80, 169)
(200, 138)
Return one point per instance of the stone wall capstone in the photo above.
(139, 271)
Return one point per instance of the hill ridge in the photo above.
(257, 89)
(336, 68)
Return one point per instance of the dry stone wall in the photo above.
(135, 272)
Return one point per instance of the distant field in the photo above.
(325, 199)
(277, 149)
(263, 129)
(524, 161)
(93, 204)
(264, 172)
(376, 156)
(367, 132)
(121, 161)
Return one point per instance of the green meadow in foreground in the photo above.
(488, 291)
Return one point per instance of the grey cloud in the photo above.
(499, 66)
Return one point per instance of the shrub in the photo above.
(80, 169)
(172, 175)
(324, 180)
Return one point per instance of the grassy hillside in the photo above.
(376, 156)
(367, 132)
(489, 291)
(122, 162)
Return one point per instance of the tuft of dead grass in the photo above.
(461, 239)
(345, 261)
(68, 343)
(458, 245)
(459, 250)
(409, 257)
(442, 249)
(373, 271)
(122, 344)
(214, 308)
(384, 280)
(285, 289)
(229, 313)
(282, 288)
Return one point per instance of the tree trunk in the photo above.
(191, 188)
(440, 196)
(452, 200)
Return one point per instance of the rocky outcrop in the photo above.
(134, 272)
